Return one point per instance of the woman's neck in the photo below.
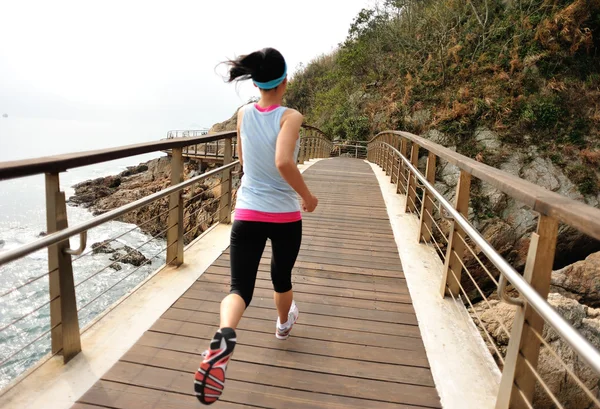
(269, 100)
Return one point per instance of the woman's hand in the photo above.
(310, 203)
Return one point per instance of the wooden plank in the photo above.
(372, 258)
(255, 327)
(223, 282)
(366, 263)
(215, 291)
(313, 381)
(126, 396)
(224, 262)
(204, 313)
(179, 339)
(390, 286)
(209, 298)
(259, 395)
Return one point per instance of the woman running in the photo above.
(267, 208)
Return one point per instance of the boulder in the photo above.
(580, 281)
(128, 255)
(586, 320)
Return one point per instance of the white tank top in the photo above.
(262, 187)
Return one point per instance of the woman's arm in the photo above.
(240, 115)
(284, 158)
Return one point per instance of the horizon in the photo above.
(145, 63)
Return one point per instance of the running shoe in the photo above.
(283, 331)
(210, 378)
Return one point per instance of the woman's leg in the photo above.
(286, 239)
(248, 241)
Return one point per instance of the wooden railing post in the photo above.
(524, 344)
(390, 157)
(225, 205)
(401, 171)
(63, 306)
(301, 149)
(384, 158)
(411, 189)
(456, 246)
(175, 220)
(395, 164)
(427, 205)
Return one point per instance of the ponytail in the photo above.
(266, 67)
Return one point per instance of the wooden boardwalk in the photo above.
(356, 344)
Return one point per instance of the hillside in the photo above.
(515, 84)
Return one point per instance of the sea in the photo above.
(24, 309)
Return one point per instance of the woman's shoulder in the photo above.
(291, 113)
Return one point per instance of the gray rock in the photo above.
(437, 137)
(514, 164)
(542, 172)
(128, 255)
(585, 320)
(421, 117)
(489, 139)
(103, 247)
(580, 281)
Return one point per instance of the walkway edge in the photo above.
(464, 372)
(52, 385)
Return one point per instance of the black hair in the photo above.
(262, 66)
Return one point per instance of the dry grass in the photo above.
(565, 27)
(591, 157)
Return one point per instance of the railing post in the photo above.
(456, 245)
(225, 205)
(63, 306)
(401, 171)
(390, 158)
(175, 220)
(301, 149)
(524, 344)
(384, 154)
(411, 189)
(427, 205)
(394, 165)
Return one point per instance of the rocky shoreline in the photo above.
(201, 201)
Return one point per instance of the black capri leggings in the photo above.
(248, 240)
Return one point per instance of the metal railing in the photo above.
(313, 142)
(463, 250)
(174, 216)
(350, 149)
(184, 133)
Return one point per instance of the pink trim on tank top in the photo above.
(258, 216)
(267, 109)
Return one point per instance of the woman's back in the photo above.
(263, 188)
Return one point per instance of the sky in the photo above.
(150, 61)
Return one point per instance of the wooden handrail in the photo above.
(61, 163)
(583, 217)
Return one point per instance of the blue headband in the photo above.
(273, 83)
